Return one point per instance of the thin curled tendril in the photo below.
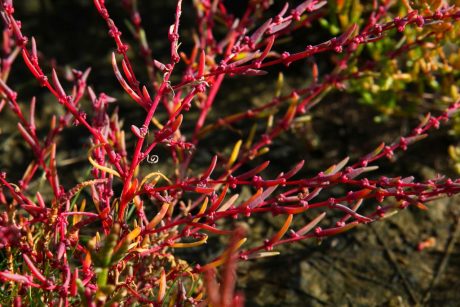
(152, 159)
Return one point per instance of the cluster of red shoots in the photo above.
(131, 259)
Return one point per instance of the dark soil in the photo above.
(376, 265)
